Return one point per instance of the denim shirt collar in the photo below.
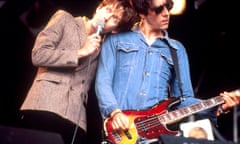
(171, 42)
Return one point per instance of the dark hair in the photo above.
(129, 16)
(142, 6)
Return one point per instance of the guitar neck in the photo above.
(178, 114)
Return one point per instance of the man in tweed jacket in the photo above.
(66, 53)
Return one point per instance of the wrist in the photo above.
(115, 112)
(81, 53)
(220, 111)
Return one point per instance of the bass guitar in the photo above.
(152, 122)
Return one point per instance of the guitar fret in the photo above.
(171, 116)
(208, 102)
(193, 108)
(162, 119)
(202, 106)
(205, 103)
(168, 117)
(218, 100)
(186, 110)
(175, 114)
(198, 106)
(182, 111)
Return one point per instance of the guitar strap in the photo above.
(175, 64)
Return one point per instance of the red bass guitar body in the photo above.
(144, 123)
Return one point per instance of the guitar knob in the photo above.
(128, 134)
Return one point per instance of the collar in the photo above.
(171, 42)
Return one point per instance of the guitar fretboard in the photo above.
(189, 110)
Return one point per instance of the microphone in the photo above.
(100, 26)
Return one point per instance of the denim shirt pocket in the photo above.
(127, 54)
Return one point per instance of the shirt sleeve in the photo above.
(104, 77)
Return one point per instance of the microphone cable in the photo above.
(99, 30)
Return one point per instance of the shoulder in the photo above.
(122, 40)
(62, 15)
(60, 18)
(62, 12)
(60, 21)
(121, 35)
(175, 42)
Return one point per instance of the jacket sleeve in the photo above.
(53, 46)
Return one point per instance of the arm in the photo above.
(184, 72)
(53, 47)
(104, 86)
(104, 78)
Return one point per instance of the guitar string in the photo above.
(150, 123)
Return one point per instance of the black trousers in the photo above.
(50, 122)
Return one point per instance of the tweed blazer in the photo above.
(62, 80)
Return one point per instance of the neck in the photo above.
(149, 32)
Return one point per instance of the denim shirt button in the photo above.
(142, 94)
(146, 73)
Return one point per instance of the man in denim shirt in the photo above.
(135, 70)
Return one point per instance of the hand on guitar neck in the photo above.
(231, 99)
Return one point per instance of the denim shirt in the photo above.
(133, 75)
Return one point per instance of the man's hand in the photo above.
(231, 99)
(92, 45)
(119, 120)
